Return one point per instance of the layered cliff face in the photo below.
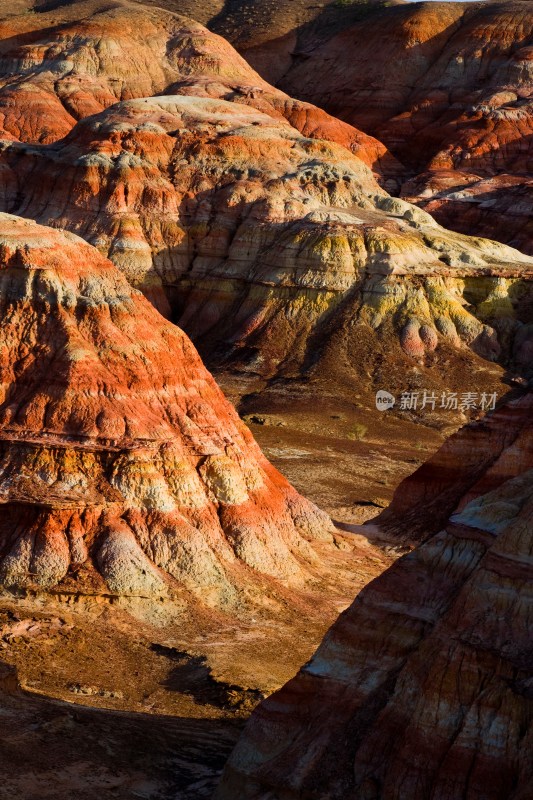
(423, 687)
(277, 252)
(459, 103)
(500, 206)
(61, 65)
(270, 248)
(124, 470)
(462, 96)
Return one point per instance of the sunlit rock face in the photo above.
(170, 187)
(423, 687)
(262, 243)
(461, 97)
(124, 470)
(447, 87)
(220, 199)
(62, 65)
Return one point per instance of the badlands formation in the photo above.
(422, 688)
(473, 462)
(457, 114)
(153, 561)
(124, 468)
(150, 555)
(65, 61)
(277, 253)
(265, 245)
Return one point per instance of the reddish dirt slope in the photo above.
(447, 88)
(124, 468)
(62, 65)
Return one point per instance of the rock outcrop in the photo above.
(124, 470)
(497, 207)
(423, 688)
(270, 248)
(274, 249)
(461, 98)
(76, 59)
(445, 86)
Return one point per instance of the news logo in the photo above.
(384, 400)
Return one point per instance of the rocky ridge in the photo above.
(259, 241)
(458, 111)
(498, 206)
(124, 470)
(275, 250)
(63, 63)
(423, 687)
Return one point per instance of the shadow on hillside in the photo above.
(192, 675)
(53, 749)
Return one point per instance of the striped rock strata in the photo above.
(61, 65)
(462, 97)
(424, 687)
(498, 207)
(123, 468)
(266, 246)
(459, 107)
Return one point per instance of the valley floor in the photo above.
(57, 751)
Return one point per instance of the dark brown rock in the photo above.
(423, 688)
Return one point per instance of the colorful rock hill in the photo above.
(124, 470)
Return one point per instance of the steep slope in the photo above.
(272, 27)
(500, 206)
(276, 252)
(453, 98)
(60, 65)
(459, 105)
(124, 470)
(476, 460)
(459, 109)
(423, 687)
